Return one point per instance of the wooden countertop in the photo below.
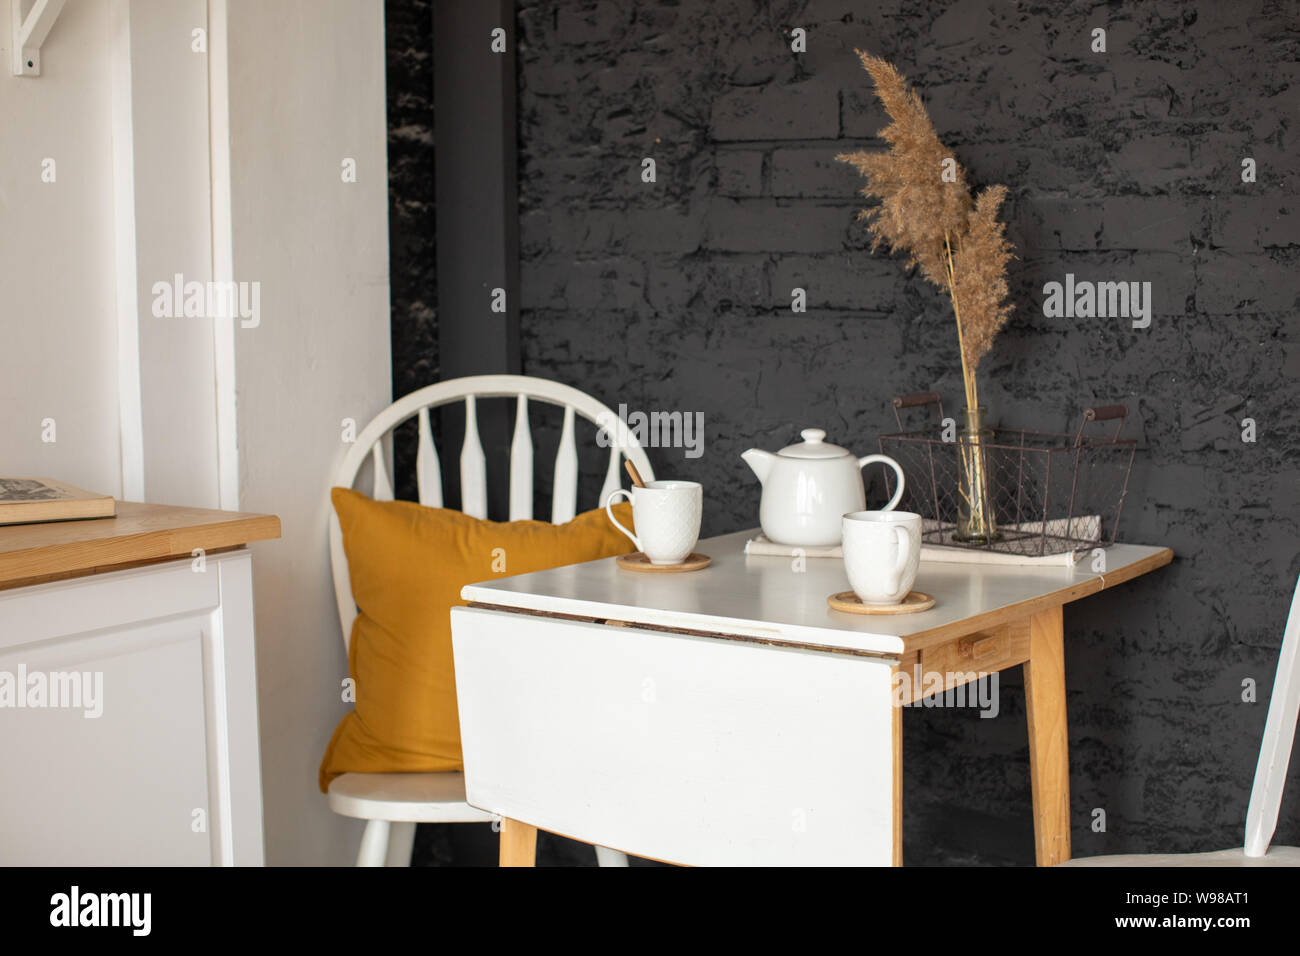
(140, 534)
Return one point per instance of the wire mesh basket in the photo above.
(1047, 492)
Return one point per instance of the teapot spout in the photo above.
(760, 461)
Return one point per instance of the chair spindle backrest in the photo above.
(375, 442)
(1279, 735)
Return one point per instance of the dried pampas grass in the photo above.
(958, 244)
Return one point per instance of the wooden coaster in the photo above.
(639, 562)
(850, 602)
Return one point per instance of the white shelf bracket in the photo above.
(30, 31)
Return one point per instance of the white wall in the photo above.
(120, 84)
(121, 108)
(306, 90)
(173, 234)
(57, 288)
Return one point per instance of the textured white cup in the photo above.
(667, 517)
(882, 552)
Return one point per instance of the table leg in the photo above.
(1049, 759)
(518, 843)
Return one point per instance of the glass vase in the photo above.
(975, 522)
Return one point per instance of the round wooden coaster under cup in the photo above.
(639, 562)
(850, 602)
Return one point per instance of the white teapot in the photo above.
(808, 487)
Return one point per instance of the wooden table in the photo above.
(143, 748)
(728, 716)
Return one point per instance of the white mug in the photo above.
(882, 552)
(667, 518)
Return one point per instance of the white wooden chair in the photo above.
(393, 803)
(1270, 776)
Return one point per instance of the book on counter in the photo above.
(30, 500)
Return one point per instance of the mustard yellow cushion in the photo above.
(408, 563)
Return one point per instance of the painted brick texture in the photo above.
(676, 295)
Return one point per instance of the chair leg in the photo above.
(607, 857)
(401, 839)
(374, 844)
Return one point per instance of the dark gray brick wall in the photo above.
(675, 295)
(411, 220)
(412, 225)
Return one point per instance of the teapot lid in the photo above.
(814, 445)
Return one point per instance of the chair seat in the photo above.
(1276, 856)
(404, 797)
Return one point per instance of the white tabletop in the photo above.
(764, 597)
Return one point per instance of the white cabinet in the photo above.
(128, 718)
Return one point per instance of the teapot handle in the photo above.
(898, 470)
